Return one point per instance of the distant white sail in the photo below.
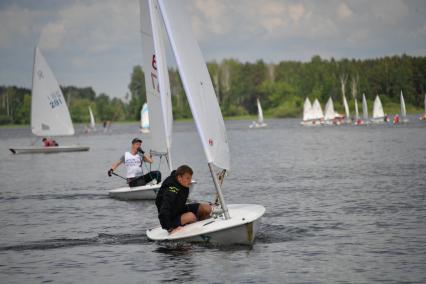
(197, 84)
(156, 79)
(356, 110)
(145, 116)
(92, 119)
(307, 110)
(403, 110)
(259, 111)
(49, 110)
(378, 108)
(364, 108)
(317, 110)
(329, 114)
(345, 104)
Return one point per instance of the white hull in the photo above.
(258, 125)
(379, 120)
(145, 192)
(47, 150)
(241, 228)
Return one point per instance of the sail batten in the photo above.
(49, 111)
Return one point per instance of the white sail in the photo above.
(378, 108)
(356, 110)
(425, 103)
(317, 110)
(145, 116)
(307, 110)
(197, 84)
(92, 119)
(345, 104)
(49, 110)
(330, 114)
(259, 112)
(156, 79)
(364, 108)
(403, 110)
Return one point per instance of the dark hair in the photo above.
(136, 140)
(184, 169)
(44, 139)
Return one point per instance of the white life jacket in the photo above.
(133, 165)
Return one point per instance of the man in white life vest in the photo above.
(133, 160)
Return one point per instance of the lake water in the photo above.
(343, 205)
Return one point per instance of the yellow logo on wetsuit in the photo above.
(173, 189)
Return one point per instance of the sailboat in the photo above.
(330, 114)
(403, 113)
(307, 113)
(92, 120)
(357, 121)
(347, 114)
(378, 113)
(238, 223)
(365, 119)
(50, 116)
(259, 123)
(317, 113)
(144, 119)
(160, 104)
(423, 117)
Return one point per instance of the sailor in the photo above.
(173, 211)
(49, 142)
(133, 160)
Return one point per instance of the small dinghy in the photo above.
(160, 110)
(50, 116)
(238, 223)
(403, 114)
(347, 114)
(259, 123)
(92, 120)
(378, 113)
(330, 114)
(145, 119)
(423, 117)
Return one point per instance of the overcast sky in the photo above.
(96, 43)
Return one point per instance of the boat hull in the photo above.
(240, 229)
(48, 150)
(146, 192)
(258, 125)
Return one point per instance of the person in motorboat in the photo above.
(49, 142)
(134, 160)
(173, 211)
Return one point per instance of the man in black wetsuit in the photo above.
(173, 211)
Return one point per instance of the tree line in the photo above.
(281, 87)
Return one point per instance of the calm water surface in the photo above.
(343, 205)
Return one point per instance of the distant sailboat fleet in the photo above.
(314, 116)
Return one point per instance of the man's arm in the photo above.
(147, 158)
(115, 165)
(166, 219)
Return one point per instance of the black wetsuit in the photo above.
(171, 203)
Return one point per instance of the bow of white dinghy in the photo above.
(241, 228)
